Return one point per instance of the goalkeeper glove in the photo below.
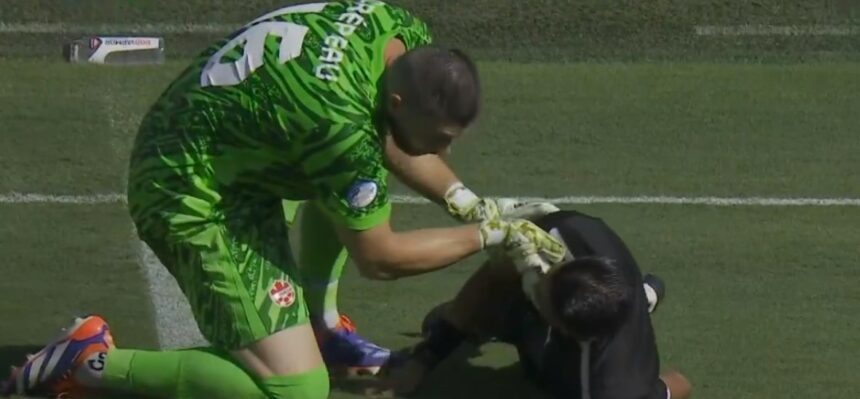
(467, 207)
(530, 248)
(526, 244)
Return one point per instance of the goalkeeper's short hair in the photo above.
(445, 82)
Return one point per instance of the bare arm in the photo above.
(383, 254)
(429, 175)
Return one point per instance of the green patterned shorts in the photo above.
(233, 263)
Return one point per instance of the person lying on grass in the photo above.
(582, 328)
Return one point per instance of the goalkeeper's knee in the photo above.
(313, 384)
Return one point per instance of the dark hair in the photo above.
(590, 296)
(445, 84)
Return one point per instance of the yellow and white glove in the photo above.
(532, 250)
(466, 206)
(526, 244)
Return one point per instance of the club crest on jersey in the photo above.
(362, 193)
(282, 293)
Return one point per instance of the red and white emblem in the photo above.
(282, 293)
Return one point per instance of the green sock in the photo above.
(311, 385)
(201, 373)
(321, 259)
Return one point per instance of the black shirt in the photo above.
(623, 366)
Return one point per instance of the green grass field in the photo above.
(762, 302)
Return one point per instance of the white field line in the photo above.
(175, 324)
(173, 28)
(777, 30)
(153, 28)
(113, 198)
(31, 198)
(174, 321)
(121, 124)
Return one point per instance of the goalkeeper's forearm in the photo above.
(417, 252)
(428, 175)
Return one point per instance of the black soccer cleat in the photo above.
(659, 287)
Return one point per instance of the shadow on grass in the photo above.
(14, 355)
(458, 378)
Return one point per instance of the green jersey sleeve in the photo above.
(350, 179)
(410, 29)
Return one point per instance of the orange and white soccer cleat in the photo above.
(51, 371)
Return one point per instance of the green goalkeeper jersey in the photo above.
(285, 108)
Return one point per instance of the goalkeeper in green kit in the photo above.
(313, 105)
